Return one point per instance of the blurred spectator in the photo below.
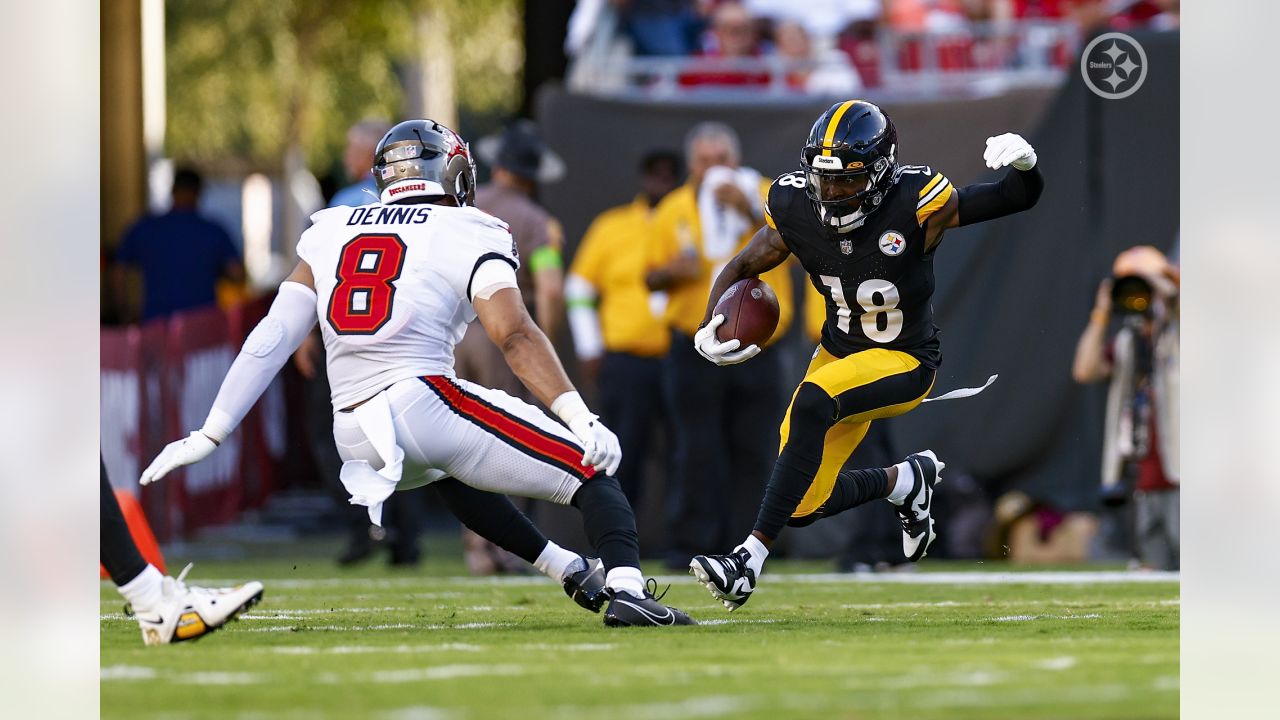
(1169, 17)
(619, 341)
(1028, 532)
(822, 19)
(830, 74)
(520, 161)
(402, 513)
(1140, 358)
(661, 27)
(724, 418)
(733, 36)
(181, 255)
(357, 161)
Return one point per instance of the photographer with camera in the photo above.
(1140, 358)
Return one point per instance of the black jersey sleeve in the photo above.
(786, 198)
(1018, 190)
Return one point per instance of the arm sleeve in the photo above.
(584, 320)
(544, 247)
(265, 351)
(1018, 190)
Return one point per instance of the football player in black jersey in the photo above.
(865, 229)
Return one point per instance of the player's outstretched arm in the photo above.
(764, 252)
(529, 354)
(1018, 190)
(265, 351)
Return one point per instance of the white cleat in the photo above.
(728, 577)
(187, 612)
(917, 522)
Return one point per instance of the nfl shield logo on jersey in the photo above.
(892, 243)
(846, 246)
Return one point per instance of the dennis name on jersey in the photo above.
(384, 215)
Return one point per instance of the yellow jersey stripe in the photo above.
(934, 181)
(938, 187)
(831, 126)
(768, 217)
(933, 205)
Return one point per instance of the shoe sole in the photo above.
(938, 467)
(701, 574)
(233, 617)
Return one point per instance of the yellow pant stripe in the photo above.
(837, 375)
(842, 439)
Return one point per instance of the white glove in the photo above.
(601, 448)
(721, 353)
(190, 449)
(1009, 149)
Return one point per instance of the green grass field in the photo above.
(428, 644)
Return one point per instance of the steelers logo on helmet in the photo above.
(850, 163)
(422, 158)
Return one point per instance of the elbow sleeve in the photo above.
(265, 351)
(1018, 190)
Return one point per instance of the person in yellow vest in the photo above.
(722, 449)
(619, 340)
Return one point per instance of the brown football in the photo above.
(750, 312)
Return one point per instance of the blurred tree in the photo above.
(251, 82)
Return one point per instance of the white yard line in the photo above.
(1031, 577)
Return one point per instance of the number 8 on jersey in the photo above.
(368, 267)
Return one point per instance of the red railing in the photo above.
(157, 383)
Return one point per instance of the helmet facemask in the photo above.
(844, 196)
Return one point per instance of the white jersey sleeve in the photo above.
(482, 237)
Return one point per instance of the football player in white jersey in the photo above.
(394, 286)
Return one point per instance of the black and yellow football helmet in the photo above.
(850, 162)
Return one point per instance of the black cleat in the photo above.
(728, 577)
(627, 610)
(586, 586)
(917, 522)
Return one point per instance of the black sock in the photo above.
(118, 552)
(854, 488)
(812, 413)
(609, 522)
(493, 517)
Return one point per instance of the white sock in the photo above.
(758, 553)
(555, 562)
(906, 481)
(626, 579)
(143, 592)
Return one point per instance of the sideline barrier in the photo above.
(157, 383)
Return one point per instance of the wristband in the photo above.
(217, 426)
(569, 406)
